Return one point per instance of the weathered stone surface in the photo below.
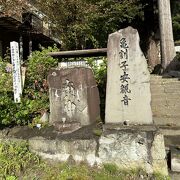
(124, 149)
(128, 94)
(153, 53)
(62, 150)
(158, 154)
(74, 96)
(45, 117)
(134, 149)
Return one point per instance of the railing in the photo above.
(79, 53)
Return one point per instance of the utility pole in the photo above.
(166, 33)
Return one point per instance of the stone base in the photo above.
(65, 150)
(133, 147)
(66, 128)
(127, 147)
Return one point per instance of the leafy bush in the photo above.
(178, 56)
(35, 94)
(15, 158)
(5, 75)
(35, 98)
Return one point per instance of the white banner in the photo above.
(17, 82)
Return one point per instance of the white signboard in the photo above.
(79, 63)
(17, 83)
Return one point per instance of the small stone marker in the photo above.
(128, 94)
(17, 81)
(74, 98)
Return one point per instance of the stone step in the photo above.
(169, 96)
(172, 140)
(170, 130)
(165, 88)
(163, 80)
(169, 85)
(152, 78)
(172, 111)
(166, 96)
(164, 101)
(160, 120)
(167, 92)
(165, 83)
(166, 106)
(174, 175)
(160, 78)
(162, 83)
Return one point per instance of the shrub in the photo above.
(35, 94)
(35, 98)
(15, 158)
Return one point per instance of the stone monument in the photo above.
(74, 98)
(129, 138)
(128, 94)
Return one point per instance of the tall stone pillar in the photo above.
(166, 33)
(128, 94)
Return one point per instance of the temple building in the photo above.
(22, 22)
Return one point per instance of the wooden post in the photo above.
(17, 81)
(30, 47)
(21, 49)
(166, 33)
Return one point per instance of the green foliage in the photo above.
(85, 24)
(111, 168)
(109, 16)
(159, 176)
(14, 159)
(5, 75)
(178, 56)
(176, 26)
(11, 178)
(175, 8)
(35, 98)
(97, 132)
(7, 108)
(39, 64)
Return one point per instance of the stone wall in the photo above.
(165, 95)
